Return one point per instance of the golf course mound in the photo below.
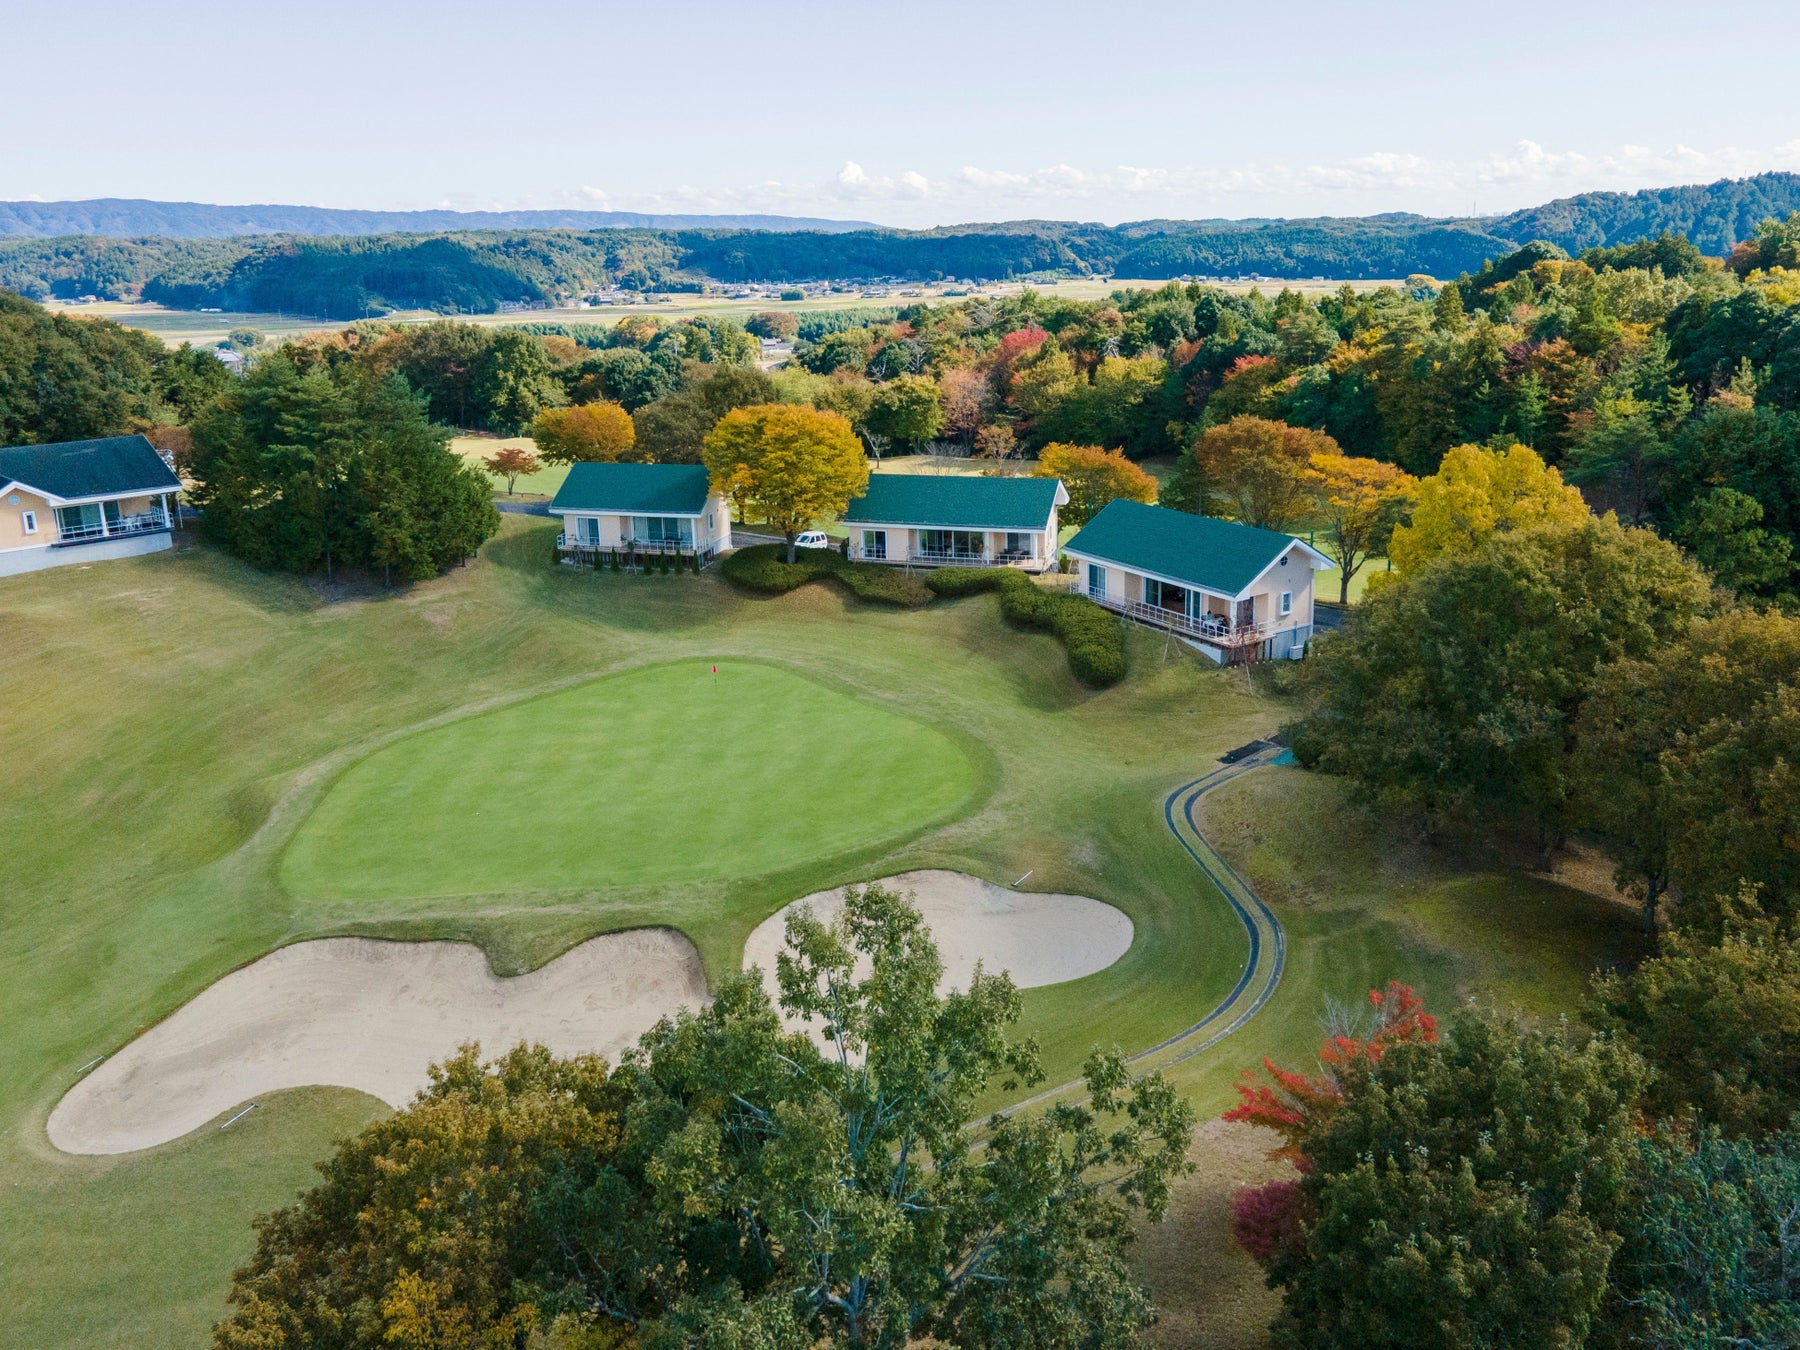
(370, 1015)
(680, 773)
(1036, 937)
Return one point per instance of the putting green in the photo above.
(665, 774)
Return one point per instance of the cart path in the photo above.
(1267, 957)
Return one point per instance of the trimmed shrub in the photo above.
(613, 555)
(764, 568)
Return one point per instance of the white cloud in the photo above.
(1524, 174)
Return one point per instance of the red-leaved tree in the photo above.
(1268, 1219)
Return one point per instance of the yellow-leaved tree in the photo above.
(1476, 494)
(1093, 478)
(588, 431)
(795, 465)
(1358, 503)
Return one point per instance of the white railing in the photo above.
(934, 557)
(144, 522)
(631, 552)
(1215, 629)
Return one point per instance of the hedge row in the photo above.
(764, 568)
(1093, 638)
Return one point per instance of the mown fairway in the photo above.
(677, 773)
(174, 724)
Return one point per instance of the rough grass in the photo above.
(1361, 905)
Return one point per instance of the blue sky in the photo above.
(917, 114)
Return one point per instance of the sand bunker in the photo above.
(1039, 938)
(370, 1015)
(373, 1015)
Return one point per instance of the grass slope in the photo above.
(174, 721)
(676, 773)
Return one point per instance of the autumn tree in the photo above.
(1456, 1187)
(511, 462)
(586, 432)
(1476, 494)
(1358, 503)
(794, 465)
(773, 323)
(1093, 477)
(965, 394)
(1259, 472)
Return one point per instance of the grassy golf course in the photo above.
(206, 763)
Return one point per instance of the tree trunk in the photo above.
(1652, 893)
(791, 536)
(1343, 587)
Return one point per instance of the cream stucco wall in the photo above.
(13, 506)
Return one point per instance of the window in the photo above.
(78, 522)
(1096, 581)
(1020, 544)
(875, 544)
(587, 529)
(952, 543)
(1287, 603)
(29, 520)
(662, 529)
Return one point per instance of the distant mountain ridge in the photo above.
(133, 218)
(476, 270)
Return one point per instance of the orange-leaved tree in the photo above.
(795, 465)
(1093, 478)
(587, 431)
(509, 462)
(1259, 472)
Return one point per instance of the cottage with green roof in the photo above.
(639, 509)
(930, 519)
(1234, 592)
(82, 501)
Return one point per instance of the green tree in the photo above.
(677, 1200)
(512, 382)
(1718, 1021)
(293, 470)
(1643, 735)
(795, 465)
(1455, 692)
(1707, 1253)
(906, 410)
(1723, 529)
(1459, 1190)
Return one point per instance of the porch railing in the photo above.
(1217, 630)
(937, 557)
(630, 553)
(145, 522)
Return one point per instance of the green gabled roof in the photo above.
(955, 502)
(634, 489)
(75, 469)
(1215, 555)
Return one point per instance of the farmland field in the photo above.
(221, 762)
(175, 326)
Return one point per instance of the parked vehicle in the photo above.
(812, 539)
